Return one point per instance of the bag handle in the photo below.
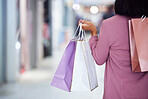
(81, 34)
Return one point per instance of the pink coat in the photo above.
(112, 47)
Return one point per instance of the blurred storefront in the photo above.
(35, 32)
(30, 30)
(25, 34)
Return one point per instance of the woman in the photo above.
(112, 47)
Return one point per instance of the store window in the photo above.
(47, 47)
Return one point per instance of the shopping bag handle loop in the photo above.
(81, 34)
(143, 17)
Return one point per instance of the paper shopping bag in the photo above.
(138, 33)
(63, 75)
(84, 73)
(90, 63)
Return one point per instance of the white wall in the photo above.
(57, 21)
(1, 68)
(11, 40)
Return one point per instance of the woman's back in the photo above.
(113, 48)
(134, 85)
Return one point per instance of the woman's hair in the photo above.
(131, 8)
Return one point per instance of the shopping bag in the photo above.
(84, 72)
(90, 64)
(83, 76)
(138, 33)
(63, 75)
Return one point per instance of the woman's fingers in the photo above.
(88, 26)
(80, 21)
(84, 22)
(85, 27)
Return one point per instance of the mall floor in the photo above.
(35, 84)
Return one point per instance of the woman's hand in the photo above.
(88, 26)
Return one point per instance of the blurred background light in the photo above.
(76, 6)
(17, 45)
(94, 9)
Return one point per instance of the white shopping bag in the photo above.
(84, 72)
(90, 63)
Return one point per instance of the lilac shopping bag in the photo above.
(63, 75)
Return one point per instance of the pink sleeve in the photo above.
(100, 46)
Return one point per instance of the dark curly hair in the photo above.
(131, 8)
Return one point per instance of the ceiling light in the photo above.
(76, 6)
(94, 9)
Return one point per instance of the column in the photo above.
(11, 41)
(24, 35)
(32, 33)
(1, 66)
(57, 21)
(39, 44)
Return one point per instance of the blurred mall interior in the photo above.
(33, 36)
